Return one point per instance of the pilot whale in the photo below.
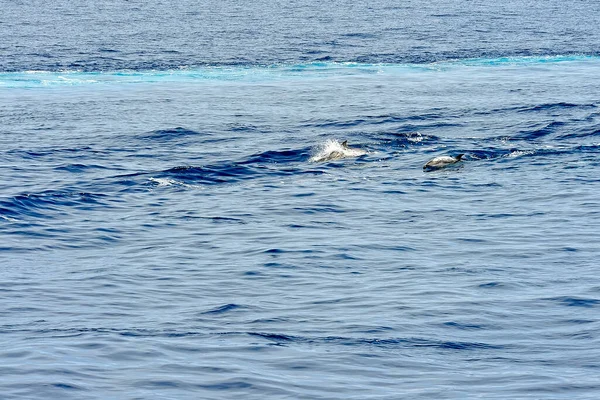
(441, 162)
(333, 150)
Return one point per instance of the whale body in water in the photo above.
(441, 162)
(334, 150)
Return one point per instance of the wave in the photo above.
(263, 338)
(42, 205)
(253, 73)
(265, 164)
(167, 135)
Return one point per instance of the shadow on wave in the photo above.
(553, 107)
(273, 338)
(266, 164)
(581, 133)
(538, 133)
(52, 152)
(279, 156)
(167, 135)
(376, 342)
(39, 205)
(368, 120)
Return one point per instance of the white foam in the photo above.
(333, 150)
(415, 137)
(75, 81)
(162, 182)
(518, 153)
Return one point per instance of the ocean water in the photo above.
(179, 219)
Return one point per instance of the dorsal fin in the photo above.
(459, 157)
(345, 144)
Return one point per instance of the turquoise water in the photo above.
(31, 79)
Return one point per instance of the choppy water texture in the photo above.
(172, 227)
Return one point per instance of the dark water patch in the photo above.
(535, 134)
(279, 265)
(54, 152)
(492, 285)
(560, 106)
(166, 135)
(570, 390)
(275, 337)
(347, 256)
(226, 220)
(68, 332)
(587, 132)
(580, 321)
(188, 216)
(279, 156)
(39, 205)
(319, 209)
(463, 326)
(277, 252)
(226, 173)
(593, 148)
(67, 386)
(227, 386)
(411, 342)
(500, 215)
(488, 216)
(15, 354)
(359, 35)
(224, 309)
(274, 251)
(575, 301)
(268, 164)
(570, 249)
(79, 168)
(389, 343)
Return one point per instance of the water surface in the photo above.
(164, 232)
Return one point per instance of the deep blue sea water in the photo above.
(167, 230)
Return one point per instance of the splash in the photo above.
(415, 137)
(334, 150)
(519, 153)
(162, 182)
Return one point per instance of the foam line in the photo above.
(32, 79)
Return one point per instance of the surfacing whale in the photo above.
(334, 150)
(441, 162)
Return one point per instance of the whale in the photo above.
(333, 150)
(441, 162)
